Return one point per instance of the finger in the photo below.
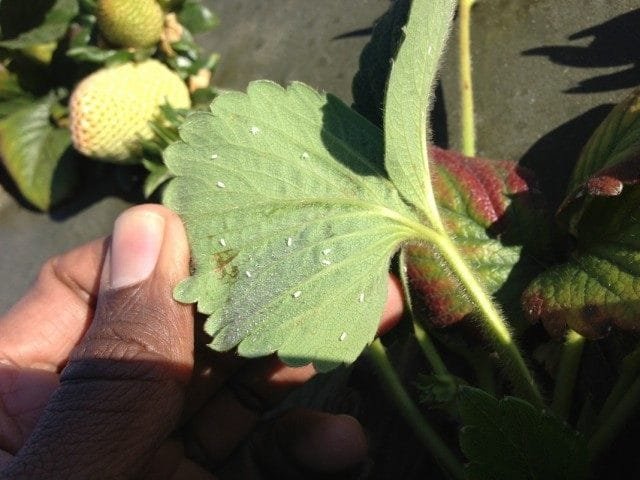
(24, 393)
(228, 417)
(302, 444)
(122, 391)
(43, 327)
(394, 307)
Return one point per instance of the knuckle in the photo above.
(56, 271)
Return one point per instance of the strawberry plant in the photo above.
(135, 70)
(296, 207)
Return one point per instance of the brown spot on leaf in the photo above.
(591, 321)
(222, 263)
(533, 304)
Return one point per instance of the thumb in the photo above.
(121, 393)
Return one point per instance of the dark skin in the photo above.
(98, 370)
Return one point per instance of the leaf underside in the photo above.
(512, 440)
(292, 227)
(499, 224)
(408, 102)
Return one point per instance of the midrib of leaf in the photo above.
(381, 210)
(257, 240)
(408, 103)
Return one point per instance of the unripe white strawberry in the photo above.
(110, 110)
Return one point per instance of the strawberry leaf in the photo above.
(52, 28)
(38, 154)
(499, 223)
(197, 18)
(512, 440)
(292, 227)
(609, 161)
(600, 283)
(408, 102)
(12, 96)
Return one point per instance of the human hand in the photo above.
(95, 363)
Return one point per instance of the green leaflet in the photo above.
(512, 440)
(38, 154)
(408, 102)
(12, 96)
(609, 161)
(291, 227)
(600, 283)
(197, 18)
(51, 29)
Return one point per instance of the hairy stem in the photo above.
(567, 373)
(467, 120)
(422, 337)
(428, 348)
(491, 319)
(410, 412)
(493, 323)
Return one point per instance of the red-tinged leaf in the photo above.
(500, 225)
(609, 161)
(599, 286)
